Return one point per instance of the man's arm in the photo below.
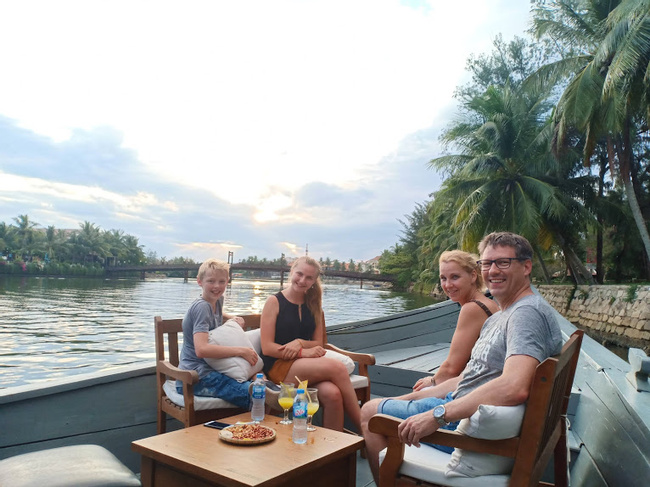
(510, 389)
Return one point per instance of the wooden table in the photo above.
(196, 456)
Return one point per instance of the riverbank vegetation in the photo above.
(26, 247)
(551, 141)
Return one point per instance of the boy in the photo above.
(205, 314)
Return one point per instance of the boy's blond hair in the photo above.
(213, 265)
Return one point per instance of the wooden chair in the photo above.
(360, 380)
(167, 331)
(542, 434)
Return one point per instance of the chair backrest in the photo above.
(544, 423)
(167, 331)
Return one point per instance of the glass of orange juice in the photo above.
(285, 399)
(312, 406)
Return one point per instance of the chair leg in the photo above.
(561, 460)
(162, 422)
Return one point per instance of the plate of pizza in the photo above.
(247, 434)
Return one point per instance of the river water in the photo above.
(54, 327)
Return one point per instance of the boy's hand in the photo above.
(249, 355)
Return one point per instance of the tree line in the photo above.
(551, 142)
(27, 247)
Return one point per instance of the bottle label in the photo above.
(258, 392)
(300, 410)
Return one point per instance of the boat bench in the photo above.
(67, 466)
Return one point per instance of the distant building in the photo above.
(371, 265)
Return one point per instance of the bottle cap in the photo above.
(300, 391)
(259, 376)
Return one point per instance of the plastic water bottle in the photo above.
(300, 417)
(258, 393)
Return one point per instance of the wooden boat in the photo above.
(610, 419)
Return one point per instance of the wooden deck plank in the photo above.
(425, 358)
(433, 324)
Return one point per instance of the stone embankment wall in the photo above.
(617, 314)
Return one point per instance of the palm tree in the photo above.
(25, 232)
(608, 96)
(504, 178)
(134, 253)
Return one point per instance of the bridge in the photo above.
(243, 266)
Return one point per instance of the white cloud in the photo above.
(248, 102)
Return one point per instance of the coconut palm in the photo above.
(608, 96)
(504, 177)
(25, 233)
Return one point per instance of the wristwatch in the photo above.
(439, 415)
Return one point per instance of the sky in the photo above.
(258, 127)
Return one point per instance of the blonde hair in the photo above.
(468, 263)
(213, 265)
(314, 295)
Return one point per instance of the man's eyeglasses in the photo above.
(502, 263)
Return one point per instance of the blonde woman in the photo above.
(293, 336)
(462, 282)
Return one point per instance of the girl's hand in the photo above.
(291, 350)
(313, 352)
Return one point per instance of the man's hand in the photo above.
(412, 429)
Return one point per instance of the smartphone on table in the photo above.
(217, 424)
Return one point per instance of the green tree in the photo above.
(607, 98)
(25, 234)
(503, 177)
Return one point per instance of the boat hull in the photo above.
(610, 419)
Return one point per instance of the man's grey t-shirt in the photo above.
(200, 318)
(528, 327)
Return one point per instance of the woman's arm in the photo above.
(314, 347)
(468, 328)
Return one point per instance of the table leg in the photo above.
(146, 471)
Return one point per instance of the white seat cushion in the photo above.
(429, 464)
(359, 381)
(89, 465)
(200, 402)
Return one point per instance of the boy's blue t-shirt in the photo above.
(199, 319)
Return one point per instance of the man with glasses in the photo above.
(513, 341)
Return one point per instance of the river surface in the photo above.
(57, 327)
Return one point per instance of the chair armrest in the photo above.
(251, 322)
(186, 376)
(362, 358)
(386, 425)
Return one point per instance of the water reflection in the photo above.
(55, 327)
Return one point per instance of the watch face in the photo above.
(438, 411)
